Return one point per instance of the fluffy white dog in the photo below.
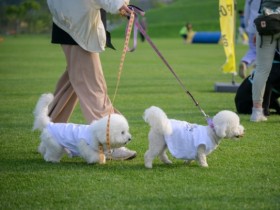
(185, 140)
(77, 140)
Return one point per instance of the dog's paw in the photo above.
(204, 165)
(149, 165)
(51, 160)
(102, 159)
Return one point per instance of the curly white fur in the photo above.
(53, 134)
(195, 141)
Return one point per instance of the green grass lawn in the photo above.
(241, 175)
(167, 20)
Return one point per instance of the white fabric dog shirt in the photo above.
(185, 139)
(68, 135)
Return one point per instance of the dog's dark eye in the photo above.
(122, 132)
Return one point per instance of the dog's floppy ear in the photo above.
(220, 130)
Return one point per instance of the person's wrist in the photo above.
(124, 10)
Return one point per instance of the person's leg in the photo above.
(249, 58)
(265, 55)
(87, 79)
(65, 99)
(265, 52)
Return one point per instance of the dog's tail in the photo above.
(158, 120)
(41, 111)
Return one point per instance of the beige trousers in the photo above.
(82, 80)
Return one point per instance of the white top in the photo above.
(185, 139)
(81, 19)
(68, 135)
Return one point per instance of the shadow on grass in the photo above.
(35, 163)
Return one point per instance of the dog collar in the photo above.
(211, 125)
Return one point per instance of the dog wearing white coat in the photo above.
(76, 139)
(185, 140)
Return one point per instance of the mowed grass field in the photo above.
(168, 19)
(242, 174)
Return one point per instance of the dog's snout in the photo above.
(128, 140)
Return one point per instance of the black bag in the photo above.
(268, 24)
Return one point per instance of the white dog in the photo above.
(78, 140)
(187, 141)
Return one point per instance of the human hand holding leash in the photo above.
(125, 11)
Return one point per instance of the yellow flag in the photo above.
(227, 23)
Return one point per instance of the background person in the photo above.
(185, 31)
(243, 98)
(265, 48)
(251, 11)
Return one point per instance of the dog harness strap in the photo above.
(211, 125)
(101, 154)
(210, 122)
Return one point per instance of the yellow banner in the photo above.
(227, 23)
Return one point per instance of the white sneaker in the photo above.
(257, 115)
(121, 153)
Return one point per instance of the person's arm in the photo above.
(247, 10)
(114, 6)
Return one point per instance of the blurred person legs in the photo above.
(249, 58)
(265, 47)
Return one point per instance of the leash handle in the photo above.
(138, 11)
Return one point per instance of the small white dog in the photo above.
(185, 140)
(77, 140)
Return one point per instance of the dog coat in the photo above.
(68, 135)
(185, 139)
